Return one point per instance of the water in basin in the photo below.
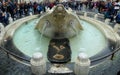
(28, 40)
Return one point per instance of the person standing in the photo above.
(118, 18)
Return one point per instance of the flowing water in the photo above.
(44, 27)
(29, 40)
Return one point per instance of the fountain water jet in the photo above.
(42, 32)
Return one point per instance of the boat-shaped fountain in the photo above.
(59, 30)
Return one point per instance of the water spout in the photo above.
(74, 29)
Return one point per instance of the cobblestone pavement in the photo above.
(11, 67)
(108, 67)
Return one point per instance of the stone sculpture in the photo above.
(59, 23)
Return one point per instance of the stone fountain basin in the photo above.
(106, 30)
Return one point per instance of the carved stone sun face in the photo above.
(59, 11)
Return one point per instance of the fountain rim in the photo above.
(27, 62)
(35, 16)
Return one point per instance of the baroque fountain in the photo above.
(61, 36)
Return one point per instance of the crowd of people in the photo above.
(113, 11)
(19, 10)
